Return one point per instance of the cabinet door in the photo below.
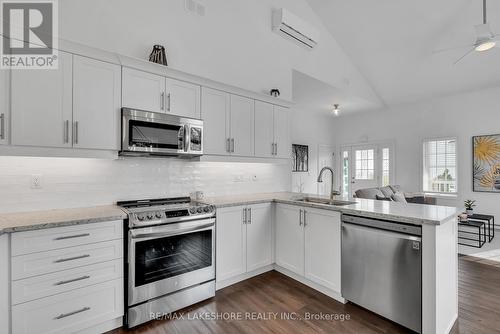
(215, 106)
(41, 105)
(322, 241)
(259, 241)
(183, 98)
(231, 243)
(242, 126)
(4, 284)
(289, 238)
(142, 90)
(96, 104)
(264, 137)
(282, 132)
(4, 105)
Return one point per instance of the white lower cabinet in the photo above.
(308, 244)
(4, 284)
(244, 240)
(67, 279)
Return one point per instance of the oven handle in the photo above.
(135, 235)
(187, 137)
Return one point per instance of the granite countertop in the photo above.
(24, 221)
(416, 214)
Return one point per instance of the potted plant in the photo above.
(469, 206)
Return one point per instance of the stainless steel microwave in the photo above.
(152, 133)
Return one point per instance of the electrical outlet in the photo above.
(36, 181)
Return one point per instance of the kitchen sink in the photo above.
(326, 201)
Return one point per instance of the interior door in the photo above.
(289, 238)
(364, 167)
(231, 243)
(281, 132)
(259, 236)
(96, 103)
(264, 129)
(183, 98)
(41, 105)
(144, 91)
(215, 114)
(242, 126)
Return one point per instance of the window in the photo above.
(365, 166)
(345, 172)
(440, 166)
(385, 167)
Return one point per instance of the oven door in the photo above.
(167, 258)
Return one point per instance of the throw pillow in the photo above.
(399, 197)
(387, 191)
(384, 198)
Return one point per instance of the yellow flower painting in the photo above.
(486, 163)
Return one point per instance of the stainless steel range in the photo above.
(170, 256)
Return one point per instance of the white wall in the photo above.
(312, 129)
(461, 116)
(233, 43)
(79, 182)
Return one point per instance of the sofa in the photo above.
(394, 193)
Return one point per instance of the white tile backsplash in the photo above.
(79, 182)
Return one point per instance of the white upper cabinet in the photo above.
(41, 105)
(290, 238)
(183, 98)
(143, 90)
(4, 106)
(264, 129)
(271, 131)
(96, 104)
(282, 133)
(242, 126)
(259, 236)
(215, 115)
(322, 241)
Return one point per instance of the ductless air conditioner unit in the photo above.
(293, 27)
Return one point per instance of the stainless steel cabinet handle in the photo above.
(66, 131)
(64, 315)
(304, 219)
(162, 101)
(275, 148)
(244, 215)
(228, 145)
(300, 217)
(232, 145)
(73, 236)
(2, 126)
(72, 258)
(75, 133)
(168, 100)
(72, 280)
(249, 215)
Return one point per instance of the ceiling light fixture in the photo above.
(485, 46)
(336, 109)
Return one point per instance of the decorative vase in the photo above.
(158, 55)
(469, 212)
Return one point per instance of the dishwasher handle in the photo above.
(398, 235)
(383, 224)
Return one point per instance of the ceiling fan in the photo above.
(485, 39)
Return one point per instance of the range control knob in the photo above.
(150, 216)
(192, 210)
(140, 217)
(206, 209)
(199, 209)
(158, 215)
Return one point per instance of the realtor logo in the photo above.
(29, 34)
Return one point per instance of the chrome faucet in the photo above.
(320, 179)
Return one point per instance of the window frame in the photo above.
(422, 168)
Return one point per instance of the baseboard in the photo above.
(103, 327)
(326, 291)
(242, 277)
(452, 323)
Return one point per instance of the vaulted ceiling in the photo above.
(392, 43)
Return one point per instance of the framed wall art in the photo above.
(486, 163)
(300, 158)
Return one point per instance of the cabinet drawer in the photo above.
(68, 236)
(61, 259)
(51, 284)
(71, 311)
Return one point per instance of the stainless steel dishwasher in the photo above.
(382, 268)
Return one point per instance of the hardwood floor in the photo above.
(275, 295)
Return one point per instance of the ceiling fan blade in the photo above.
(465, 55)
